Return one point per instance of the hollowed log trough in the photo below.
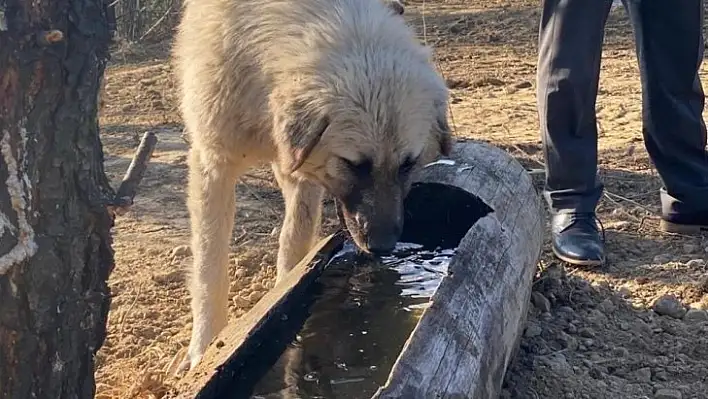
(480, 200)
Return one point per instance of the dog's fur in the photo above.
(338, 95)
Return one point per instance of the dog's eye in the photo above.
(407, 165)
(361, 168)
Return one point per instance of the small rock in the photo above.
(669, 305)
(624, 292)
(661, 376)
(595, 373)
(643, 374)
(668, 394)
(572, 329)
(690, 248)
(240, 301)
(696, 315)
(620, 352)
(566, 309)
(533, 330)
(568, 341)
(586, 333)
(696, 263)
(254, 296)
(597, 318)
(181, 251)
(607, 306)
(558, 364)
(523, 85)
(540, 302)
(662, 259)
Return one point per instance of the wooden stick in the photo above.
(129, 186)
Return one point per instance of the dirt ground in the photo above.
(591, 333)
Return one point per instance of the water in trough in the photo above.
(363, 312)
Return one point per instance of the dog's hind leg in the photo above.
(211, 203)
(301, 225)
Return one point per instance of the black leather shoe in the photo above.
(688, 224)
(577, 239)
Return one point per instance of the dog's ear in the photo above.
(301, 129)
(396, 6)
(441, 129)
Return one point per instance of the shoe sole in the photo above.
(685, 229)
(578, 262)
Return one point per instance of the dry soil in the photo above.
(591, 333)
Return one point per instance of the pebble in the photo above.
(586, 333)
(668, 394)
(624, 292)
(540, 302)
(607, 306)
(669, 305)
(690, 248)
(533, 330)
(566, 309)
(661, 376)
(696, 315)
(568, 341)
(696, 263)
(643, 374)
(240, 301)
(662, 258)
(620, 352)
(558, 364)
(254, 297)
(181, 251)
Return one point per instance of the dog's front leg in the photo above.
(211, 203)
(301, 225)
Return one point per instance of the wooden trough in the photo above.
(480, 200)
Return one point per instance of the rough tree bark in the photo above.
(55, 245)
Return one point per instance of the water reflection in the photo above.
(363, 313)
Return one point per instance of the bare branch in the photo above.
(129, 186)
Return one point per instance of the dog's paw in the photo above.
(189, 361)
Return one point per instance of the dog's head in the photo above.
(363, 135)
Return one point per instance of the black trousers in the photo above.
(669, 45)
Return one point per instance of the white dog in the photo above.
(338, 95)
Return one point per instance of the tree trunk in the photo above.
(55, 245)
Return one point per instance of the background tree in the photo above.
(55, 245)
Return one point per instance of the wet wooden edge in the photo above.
(214, 375)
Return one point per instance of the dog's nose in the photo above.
(382, 244)
(381, 250)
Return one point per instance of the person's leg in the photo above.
(570, 49)
(670, 50)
